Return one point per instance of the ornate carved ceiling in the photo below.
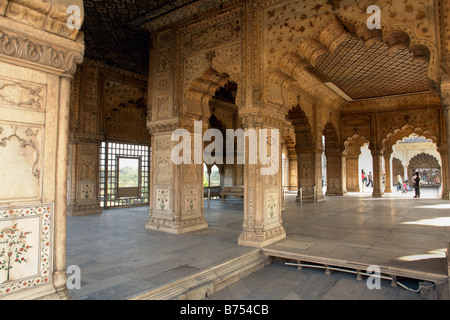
(372, 71)
(112, 34)
(117, 31)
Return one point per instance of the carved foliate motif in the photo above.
(16, 46)
(212, 36)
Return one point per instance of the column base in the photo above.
(252, 239)
(320, 197)
(377, 195)
(176, 226)
(334, 194)
(84, 210)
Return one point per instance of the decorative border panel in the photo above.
(26, 258)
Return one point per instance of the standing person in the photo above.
(399, 183)
(370, 180)
(363, 179)
(417, 185)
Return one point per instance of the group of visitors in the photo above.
(367, 180)
(403, 186)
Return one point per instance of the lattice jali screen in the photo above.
(115, 194)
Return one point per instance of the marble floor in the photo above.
(119, 258)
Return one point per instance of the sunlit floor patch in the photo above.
(436, 222)
(433, 254)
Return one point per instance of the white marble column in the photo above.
(176, 189)
(262, 223)
(405, 173)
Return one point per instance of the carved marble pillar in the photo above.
(262, 223)
(353, 175)
(387, 173)
(445, 97)
(377, 172)
(38, 57)
(444, 148)
(318, 174)
(292, 158)
(445, 184)
(84, 143)
(306, 171)
(407, 175)
(334, 174)
(176, 190)
(344, 173)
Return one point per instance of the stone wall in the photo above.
(107, 104)
(38, 56)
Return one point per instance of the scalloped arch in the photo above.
(202, 90)
(359, 139)
(392, 138)
(310, 47)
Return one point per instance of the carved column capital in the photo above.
(53, 56)
(251, 120)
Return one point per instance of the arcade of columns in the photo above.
(272, 50)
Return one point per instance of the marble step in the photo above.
(208, 281)
(390, 270)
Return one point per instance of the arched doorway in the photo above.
(307, 174)
(428, 168)
(354, 147)
(416, 150)
(333, 160)
(365, 164)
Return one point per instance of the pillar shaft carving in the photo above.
(262, 192)
(293, 165)
(444, 148)
(387, 173)
(377, 171)
(176, 190)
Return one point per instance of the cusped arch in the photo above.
(424, 160)
(392, 138)
(336, 31)
(201, 91)
(396, 34)
(331, 137)
(353, 144)
(302, 127)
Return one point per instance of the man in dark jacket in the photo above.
(417, 185)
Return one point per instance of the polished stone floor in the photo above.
(119, 258)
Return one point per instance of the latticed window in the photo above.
(124, 174)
